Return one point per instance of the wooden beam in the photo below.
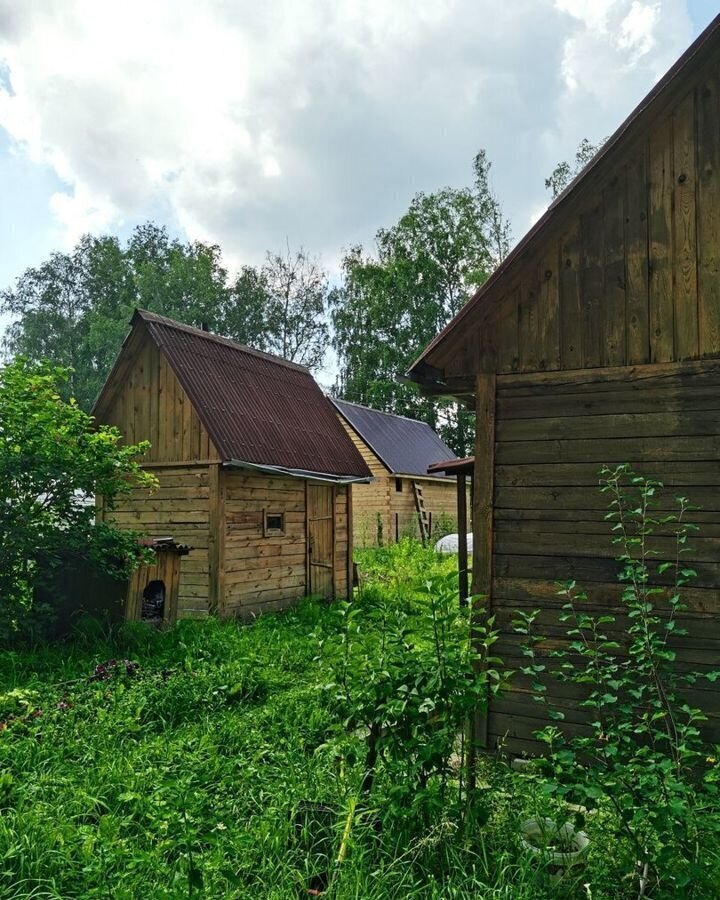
(484, 478)
(350, 542)
(216, 540)
(462, 537)
(483, 497)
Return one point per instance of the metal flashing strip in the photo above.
(297, 473)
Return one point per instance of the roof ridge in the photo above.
(148, 316)
(382, 412)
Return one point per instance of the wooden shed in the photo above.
(597, 341)
(403, 499)
(254, 468)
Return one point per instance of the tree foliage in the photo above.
(74, 308)
(392, 304)
(53, 461)
(287, 299)
(564, 172)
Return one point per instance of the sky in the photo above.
(256, 125)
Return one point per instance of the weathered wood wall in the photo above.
(553, 433)
(179, 508)
(264, 573)
(628, 271)
(148, 403)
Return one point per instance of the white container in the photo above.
(558, 845)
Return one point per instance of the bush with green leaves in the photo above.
(53, 461)
(641, 754)
(408, 678)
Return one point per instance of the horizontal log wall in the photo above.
(553, 433)
(371, 502)
(179, 508)
(261, 572)
(440, 496)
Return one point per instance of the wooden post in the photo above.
(350, 541)
(462, 538)
(483, 499)
(216, 540)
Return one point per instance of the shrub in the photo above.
(53, 461)
(642, 755)
(408, 679)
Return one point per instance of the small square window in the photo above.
(398, 485)
(274, 523)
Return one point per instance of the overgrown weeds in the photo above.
(184, 770)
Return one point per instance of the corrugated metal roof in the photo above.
(257, 408)
(405, 446)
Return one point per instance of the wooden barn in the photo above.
(253, 465)
(402, 500)
(597, 341)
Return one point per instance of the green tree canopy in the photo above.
(53, 461)
(564, 172)
(74, 308)
(392, 304)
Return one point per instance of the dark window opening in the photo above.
(153, 605)
(398, 485)
(274, 523)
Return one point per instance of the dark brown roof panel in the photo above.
(405, 446)
(256, 407)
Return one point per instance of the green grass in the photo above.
(183, 779)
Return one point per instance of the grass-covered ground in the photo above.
(178, 771)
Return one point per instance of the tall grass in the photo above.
(184, 778)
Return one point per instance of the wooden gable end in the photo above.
(145, 400)
(628, 270)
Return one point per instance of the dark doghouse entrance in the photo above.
(153, 588)
(153, 602)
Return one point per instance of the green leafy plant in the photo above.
(53, 461)
(640, 750)
(408, 681)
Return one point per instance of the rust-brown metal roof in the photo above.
(257, 408)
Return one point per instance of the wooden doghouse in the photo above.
(597, 341)
(152, 594)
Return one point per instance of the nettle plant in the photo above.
(410, 694)
(641, 754)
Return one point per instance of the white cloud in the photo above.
(249, 123)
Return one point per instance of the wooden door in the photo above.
(321, 540)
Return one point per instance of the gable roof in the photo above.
(707, 43)
(258, 409)
(404, 446)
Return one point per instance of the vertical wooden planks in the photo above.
(662, 319)
(548, 333)
(528, 322)
(613, 309)
(636, 260)
(685, 293)
(708, 213)
(571, 344)
(592, 284)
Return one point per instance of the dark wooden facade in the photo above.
(596, 342)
